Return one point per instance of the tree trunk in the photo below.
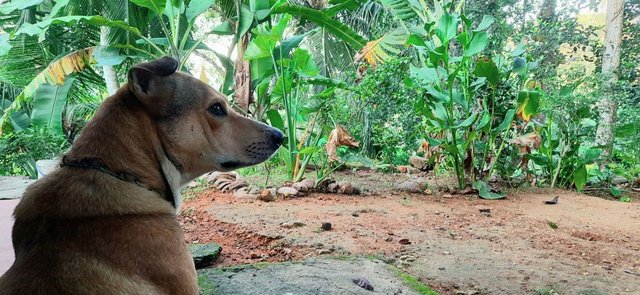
(242, 76)
(610, 63)
(548, 20)
(110, 77)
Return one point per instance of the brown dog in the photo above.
(105, 222)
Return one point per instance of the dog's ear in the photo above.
(146, 79)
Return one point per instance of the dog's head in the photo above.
(198, 130)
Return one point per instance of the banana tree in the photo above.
(176, 19)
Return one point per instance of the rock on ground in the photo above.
(311, 276)
(204, 254)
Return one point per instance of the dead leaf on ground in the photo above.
(404, 241)
(553, 201)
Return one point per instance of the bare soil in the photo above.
(453, 242)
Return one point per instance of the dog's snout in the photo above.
(276, 137)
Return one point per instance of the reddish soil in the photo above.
(511, 249)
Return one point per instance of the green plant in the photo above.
(294, 71)
(460, 100)
(20, 150)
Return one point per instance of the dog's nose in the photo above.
(276, 137)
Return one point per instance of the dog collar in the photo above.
(97, 164)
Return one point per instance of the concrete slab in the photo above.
(12, 187)
(6, 223)
(310, 276)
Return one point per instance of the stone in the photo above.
(617, 180)
(204, 254)
(300, 187)
(235, 185)
(326, 226)
(292, 224)
(287, 192)
(309, 183)
(332, 187)
(410, 187)
(268, 195)
(419, 163)
(245, 194)
(345, 187)
(324, 251)
(324, 184)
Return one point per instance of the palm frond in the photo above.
(377, 51)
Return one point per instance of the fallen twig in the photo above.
(632, 273)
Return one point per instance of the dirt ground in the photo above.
(443, 240)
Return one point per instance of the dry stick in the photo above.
(632, 273)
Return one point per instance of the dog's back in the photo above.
(78, 232)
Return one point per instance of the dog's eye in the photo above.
(217, 110)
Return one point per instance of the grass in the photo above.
(207, 287)
(192, 192)
(414, 283)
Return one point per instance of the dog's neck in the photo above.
(124, 137)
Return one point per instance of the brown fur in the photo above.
(82, 231)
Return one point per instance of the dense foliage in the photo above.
(482, 90)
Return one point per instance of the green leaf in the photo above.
(5, 47)
(590, 155)
(486, 22)
(260, 47)
(484, 191)
(229, 70)
(477, 45)
(29, 29)
(163, 41)
(616, 192)
(197, 7)
(108, 56)
(625, 199)
(304, 63)
(310, 150)
(580, 176)
(447, 27)
(426, 74)
(14, 5)
(485, 67)
(284, 83)
(401, 8)
(224, 28)
(275, 119)
(520, 66)
(416, 40)
(19, 120)
(95, 20)
(261, 68)
(506, 122)
(519, 50)
(287, 45)
(467, 122)
(338, 29)
(157, 6)
(246, 21)
(486, 117)
(552, 224)
(48, 104)
(528, 104)
(260, 8)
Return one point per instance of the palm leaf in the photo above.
(338, 29)
(54, 74)
(402, 9)
(48, 104)
(377, 51)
